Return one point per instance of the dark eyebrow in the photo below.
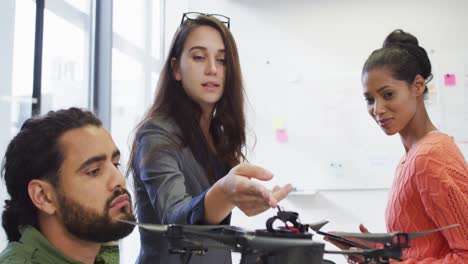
(380, 89)
(197, 47)
(204, 49)
(383, 88)
(97, 158)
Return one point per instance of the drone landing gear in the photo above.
(186, 249)
(186, 255)
(300, 255)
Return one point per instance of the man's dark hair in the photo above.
(35, 153)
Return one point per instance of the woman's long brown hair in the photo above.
(171, 101)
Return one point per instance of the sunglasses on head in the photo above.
(193, 15)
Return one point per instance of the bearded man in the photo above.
(62, 173)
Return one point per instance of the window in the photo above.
(136, 62)
(68, 51)
(20, 89)
(66, 60)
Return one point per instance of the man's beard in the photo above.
(90, 225)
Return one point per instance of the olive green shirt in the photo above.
(34, 248)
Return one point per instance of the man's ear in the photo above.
(176, 69)
(43, 196)
(419, 85)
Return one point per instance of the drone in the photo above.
(289, 243)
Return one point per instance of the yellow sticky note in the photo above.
(278, 124)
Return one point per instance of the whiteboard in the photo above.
(304, 70)
(302, 62)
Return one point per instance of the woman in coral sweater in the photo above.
(430, 189)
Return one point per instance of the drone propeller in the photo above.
(154, 228)
(165, 228)
(424, 233)
(385, 238)
(318, 225)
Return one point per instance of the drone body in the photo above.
(256, 247)
(291, 243)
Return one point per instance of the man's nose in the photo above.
(117, 179)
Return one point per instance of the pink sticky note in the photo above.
(450, 80)
(281, 135)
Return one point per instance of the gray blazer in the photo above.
(170, 187)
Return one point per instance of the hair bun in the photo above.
(399, 37)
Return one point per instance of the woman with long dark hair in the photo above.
(188, 151)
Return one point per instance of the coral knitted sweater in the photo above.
(430, 190)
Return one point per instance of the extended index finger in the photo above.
(252, 171)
